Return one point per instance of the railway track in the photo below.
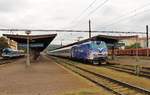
(115, 86)
(136, 70)
(4, 61)
(7, 61)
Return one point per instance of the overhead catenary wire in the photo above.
(99, 6)
(84, 11)
(4, 26)
(119, 21)
(90, 13)
(51, 30)
(128, 15)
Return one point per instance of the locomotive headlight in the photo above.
(105, 53)
(92, 55)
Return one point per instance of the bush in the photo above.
(136, 45)
(3, 43)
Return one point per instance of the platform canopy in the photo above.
(110, 40)
(37, 42)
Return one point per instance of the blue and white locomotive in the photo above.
(11, 53)
(93, 51)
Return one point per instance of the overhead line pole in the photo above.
(89, 28)
(147, 40)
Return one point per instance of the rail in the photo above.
(116, 86)
(136, 70)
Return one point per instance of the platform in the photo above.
(44, 77)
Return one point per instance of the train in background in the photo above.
(95, 52)
(131, 52)
(11, 53)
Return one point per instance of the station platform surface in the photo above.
(43, 77)
(132, 60)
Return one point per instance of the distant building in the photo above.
(12, 44)
(143, 42)
(133, 40)
(128, 41)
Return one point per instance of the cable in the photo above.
(84, 10)
(126, 18)
(70, 31)
(99, 6)
(117, 19)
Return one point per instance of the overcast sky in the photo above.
(116, 15)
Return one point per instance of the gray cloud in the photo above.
(11, 5)
(57, 14)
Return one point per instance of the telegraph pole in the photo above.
(89, 28)
(147, 40)
(28, 48)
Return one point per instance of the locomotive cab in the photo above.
(98, 52)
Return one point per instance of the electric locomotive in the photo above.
(11, 53)
(94, 51)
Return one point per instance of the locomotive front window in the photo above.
(102, 45)
(99, 44)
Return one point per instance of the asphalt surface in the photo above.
(43, 77)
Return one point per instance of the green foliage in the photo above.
(136, 45)
(52, 47)
(3, 43)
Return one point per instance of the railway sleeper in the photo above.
(116, 86)
(140, 73)
(123, 90)
(131, 91)
(108, 84)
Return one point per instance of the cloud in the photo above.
(11, 5)
(58, 14)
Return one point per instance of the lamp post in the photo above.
(28, 48)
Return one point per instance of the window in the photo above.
(98, 44)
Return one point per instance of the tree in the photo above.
(136, 45)
(3, 43)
